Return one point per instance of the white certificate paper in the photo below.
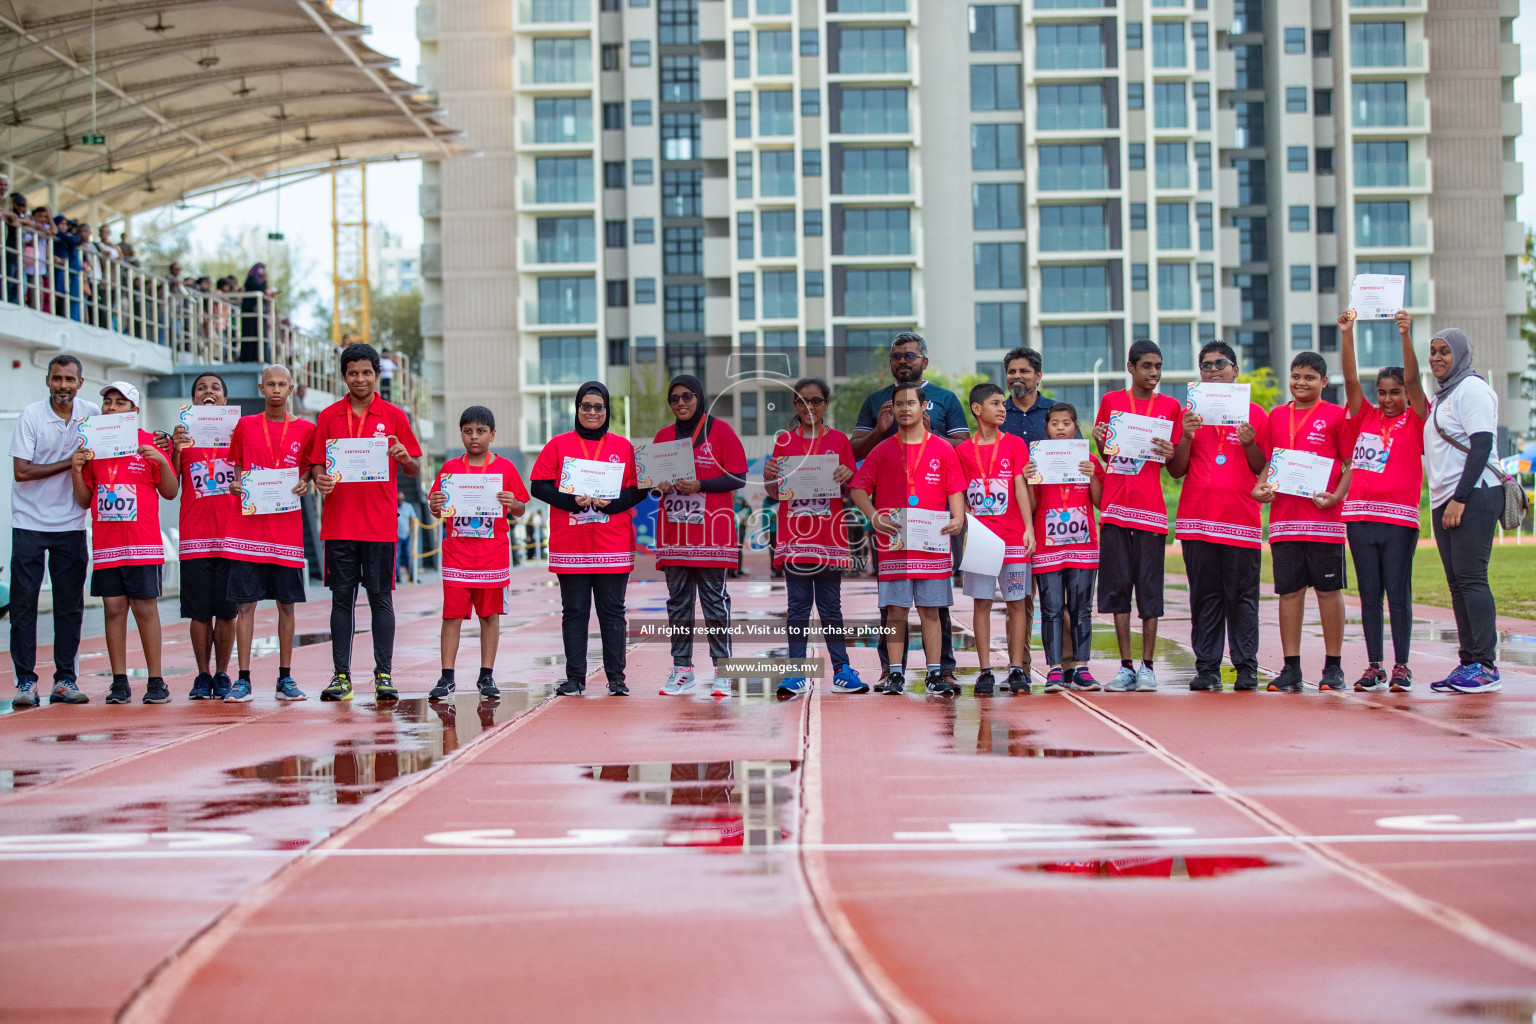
(109, 437)
(353, 460)
(471, 495)
(265, 492)
(1131, 436)
(984, 550)
(1221, 405)
(1300, 473)
(211, 426)
(922, 530)
(658, 462)
(1376, 296)
(1056, 462)
(590, 478)
(810, 476)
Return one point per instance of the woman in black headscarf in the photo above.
(251, 312)
(591, 537)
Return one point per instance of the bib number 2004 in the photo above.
(1065, 526)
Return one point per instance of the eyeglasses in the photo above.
(679, 399)
(906, 357)
(814, 403)
(589, 407)
(1215, 365)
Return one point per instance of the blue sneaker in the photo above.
(202, 687)
(1478, 679)
(26, 695)
(846, 680)
(1448, 684)
(793, 686)
(221, 685)
(239, 692)
(287, 689)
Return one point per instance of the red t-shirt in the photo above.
(1319, 430)
(588, 541)
(362, 510)
(260, 443)
(1216, 502)
(991, 471)
(1065, 511)
(476, 552)
(136, 484)
(813, 530)
(205, 518)
(700, 529)
(1391, 495)
(1136, 500)
(934, 472)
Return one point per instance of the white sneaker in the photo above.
(681, 680)
(721, 687)
(1124, 680)
(1145, 679)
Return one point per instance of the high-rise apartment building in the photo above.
(759, 189)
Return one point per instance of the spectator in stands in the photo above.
(387, 368)
(66, 267)
(37, 247)
(252, 309)
(15, 214)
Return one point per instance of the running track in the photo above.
(1172, 857)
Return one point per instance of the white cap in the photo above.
(128, 391)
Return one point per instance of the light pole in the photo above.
(1096, 364)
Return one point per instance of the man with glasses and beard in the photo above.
(1027, 411)
(943, 415)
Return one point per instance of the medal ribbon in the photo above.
(266, 429)
(906, 465)
(361, 420)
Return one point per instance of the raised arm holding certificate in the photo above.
(588, 478)
(659, 462)
(471, 495)
(109, 437)
(1377, 296)
(265, 492)
(357, 460)
(1131, 436)
(1058, 462)
(810, 476)
(1220, 405)
(1300, 473)
(210, 426)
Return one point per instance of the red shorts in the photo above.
(459, 601)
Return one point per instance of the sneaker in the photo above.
(1479, 679)
(1333, 679)
(936, 684)
(202, 687)
(1372, 680)
(1206, 681)
(618, 689)
(340, 688)
(1146, 679)
(1054, 683)
(221, 685)
(1123, 681)
(792, 686)
(679, 681)
(156, 692)
(487, 687)
(986, 684)
(1448, 684)
(1018, 682)
(239, 692)
(444, 688)
(723, 687)
(1402, 679)
(1082, 679)
(846, 680)
(287, 689)
(895, 682)
(1246, 682)
(26, 695)
(66, 692)
(1288, 681)
(119, 694)
(571, 688)
(384, 687)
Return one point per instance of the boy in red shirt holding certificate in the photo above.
(477, 555)
(998, 497)
(266, 536)
(1068, 558)
(123, 494)
(912, 490)
(1306, 531)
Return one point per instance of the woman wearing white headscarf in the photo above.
(1465, 499)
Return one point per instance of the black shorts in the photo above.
(1299, 564)
(1131, 560)
(205, 589)
(132, 581)
(366, 563)
(250, 582)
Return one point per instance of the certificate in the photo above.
(211, 426)
(984, 550)
(1221, 405)
(353, 460)
(1131, 435)
(590, 478)
(109, 437)
(1056, 462)
(658, 462)
(1376, 296)
(810, 476)
(471, 495)
(1300, 473)
(266, 492)
(921, 530)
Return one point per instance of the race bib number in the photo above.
(211, 478)
(1371, 453)
(117, 503)
(590, 516)
(474, 527)
(810, 506)
(1064, 526)
(1122, 466)
(684, 508)
(987, 497)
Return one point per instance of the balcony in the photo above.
(1420, 297)
(557, 316)
(1389, 59)
(556, 74)
(547, 13)
(1393, 178)
(1085, 57)
(717, 316)
(564, 131)
(1396, 237)
(551, 254)
(1510, 116)
(558, 374)
(1389, 118)
(1514, 238)
(429, 201)
(426, 23)
(1509, 60)
(1387, 7)
(1514, 178)
(431, 259)
(557, 194)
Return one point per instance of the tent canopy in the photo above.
(194, 95)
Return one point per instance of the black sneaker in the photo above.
(120, 693)
(487, 687)
(1372, 680)
(896, 682)
(1246, 682)
(156, 692)
(202, 687)
(571, 688)
(444, 688)
(1402, 679)
(1018, 682)
(986, 685)
(1289, 680)
(1333, 679)
(619, 689)
(1208, 681)
(937, 685)
(340, 688)
(384, 687)
(221, 685)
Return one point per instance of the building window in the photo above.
(1322, 102)
(1139, 277)
(1201, 91)
(645, 291)
(1072, 167)
(565, 240)
(618, 351)
(743, 118)
(1168, 44)
(749, 413)
(1173, 339)
(1250, 182)
(874, 172)
(645, 350)
(1200, 32)
(1135, 96)
(1322, 42)
(1074, 348)
(1295, 99)
(1059, 107)
(1300, 218)
(1301, 277)
(996, 147)
(1136, 156)
(612, 55)
(777, 167)
(567, 300)
(781, 295)
(1382, 225)
(1248, 63)
(1327, 280)
(776, 112)
(615, 234)
(746, 296)
(1296, 158)
(874, 231)
(870, 51)
(680, 134)
(645, 231)
(775, 52)
(1324, 159)
(994, 27)
(810, 102)
(1172, 164)
(1204, 222)
(684, 308)
(810, 42)
(871, 111)
(1000, 325)
(1169, 107)
(1074, 289)
(678, 22)
(1380, 104)
(1075, 228)
(1067, 46)
(816, 344)
(998, 265)
(744, 174)
(997, 207)
(1203, 164)
(617, 294)
(563, 179)
(613, 116)
(810, 163)
(745, 232)
(995, 87)
(1173, 291)
(613, 174)
(680, 78)
(1173, 226)
(1378, 44)
(778, 228)
(1295, 40)
(812, 223)
(642, 172)
(1133, 35)
(1328, 338)
(741, 54)
(639, 53)
(564, 120)
(682, 194)
(1138, 216)
(682, 250)
(1206, 273)
(872, 292)
(1301, 336)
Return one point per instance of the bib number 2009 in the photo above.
(116, 504)
(1065, 526)
(987, 497)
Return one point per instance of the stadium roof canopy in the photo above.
(193, 96)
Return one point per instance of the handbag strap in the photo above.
(1498, 470)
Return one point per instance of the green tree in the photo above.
(1265, 391)
(396, 322)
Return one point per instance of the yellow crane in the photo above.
(349, 234)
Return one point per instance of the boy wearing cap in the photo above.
(124, 495)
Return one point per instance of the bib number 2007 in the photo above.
(119, 504)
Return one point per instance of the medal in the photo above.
(1221, 460)
(912, 499)
(906, 465)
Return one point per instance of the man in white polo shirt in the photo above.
(46, 523)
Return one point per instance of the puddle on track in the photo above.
(1516, 1010)
(973, 729)
(1163, 868)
